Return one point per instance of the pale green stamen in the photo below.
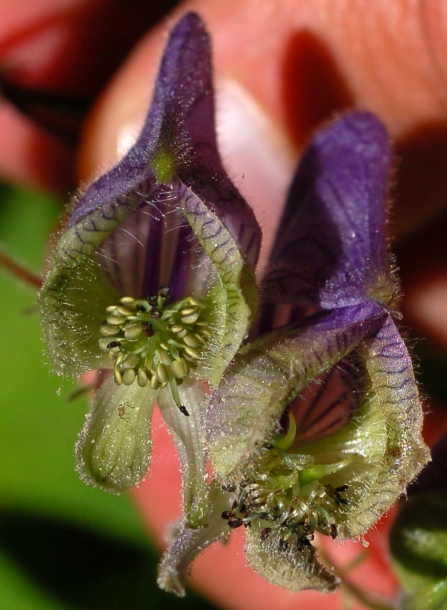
(290, 498)
(285, 441)
(154, 342)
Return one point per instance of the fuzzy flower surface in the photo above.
(152, 281)
(321, 409)
(308, 413)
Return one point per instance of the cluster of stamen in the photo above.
(154, 342)
(284, 502)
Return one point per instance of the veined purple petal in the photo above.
(257, 387)
(328, 402)
(155, 244)
(389, 368)
(331, 241)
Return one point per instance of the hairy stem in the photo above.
(19, 271)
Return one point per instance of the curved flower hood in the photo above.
(311, 425)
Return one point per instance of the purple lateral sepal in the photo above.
(180, 122)
(331, 246)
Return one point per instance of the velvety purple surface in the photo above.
(331, 240)
(181, 123)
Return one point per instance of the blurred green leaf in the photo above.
(418, 545)
(62, 544)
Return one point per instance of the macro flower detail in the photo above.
(316, 425)
(152, 281)
(305, 405)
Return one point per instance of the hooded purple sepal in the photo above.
(129, 233)
(330, 249)
(316, 424)
(178, 138)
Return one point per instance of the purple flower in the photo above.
(316, 424)
(152, 281)
(311, 426)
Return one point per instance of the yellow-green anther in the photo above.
(178, 369)
(190, 351)
(165, 358)
(191, 318)
(196, 303)
(128, 302)
(124, 311)
(133, 332)
(118, 377)
(108, 330)
(116, 320)
(155, 384)
(129, 376)
(200, 339)
(186, 311)
(104, 343)
(162, 373)
(186, 368)
(142, 378)
(182, 333)
(191, 341)
(129, 362)
(176, 328)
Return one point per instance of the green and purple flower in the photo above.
(308, 411)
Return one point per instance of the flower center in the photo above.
(154, 342)
(288, 497)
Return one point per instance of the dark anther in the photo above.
(164, 291)
(155, 313)
(226, 514)
(265, 533)
(338, 499)
(342, 488)
(146, 327)
(152, 299)
(341, 501)
(268, 446)
(304, 541)
(283, 545)
(230, 488)
(113, 344)
(184, 410)
(334, 531)
(235, 522)
(233, 506)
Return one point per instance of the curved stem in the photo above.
(19, 271)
